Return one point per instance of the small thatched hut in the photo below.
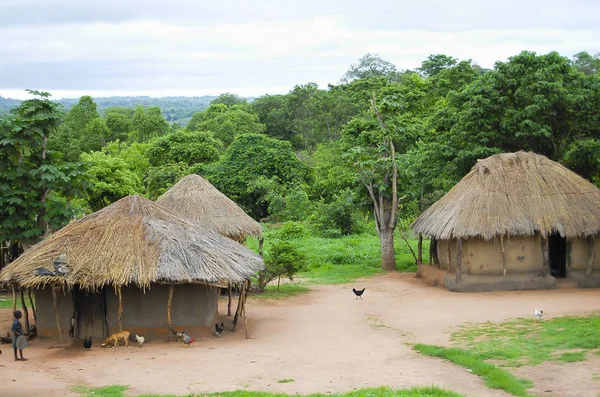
(131, 265)
(193, 197)
(516, 221)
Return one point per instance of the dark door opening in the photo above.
(91, 313)
(557, 251)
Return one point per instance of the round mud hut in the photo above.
(515, 221)
(132, 265)
(194, 198)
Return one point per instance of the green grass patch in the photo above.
(494, 376)
(6, 302)
(286, 380)
(285, 291)
(531, 342)
(343, 259)
(118, 391)
(571, 357)
(107, 391)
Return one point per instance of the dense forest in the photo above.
(175, 109)
(382, 144)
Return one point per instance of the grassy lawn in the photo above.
(6, 302)
(494, 376)
(531, 342)
(344, 259)
(118, 391)
(285, 290)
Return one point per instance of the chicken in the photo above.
(32, 333)
(538, 313)
(87, 343)
(358, 293)
(60, 265)
(219, 329)
(178, 334)
(187, 339)
(140, 340)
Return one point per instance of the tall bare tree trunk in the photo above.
(388, 258)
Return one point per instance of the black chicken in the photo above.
(6, 339)
(87, 343)
(219, 329)
(358, 293)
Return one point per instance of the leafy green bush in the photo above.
(291, 230)
(283, 260)
(338, 217)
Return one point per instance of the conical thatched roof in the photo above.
(193, 197)
(134, 241)
(515, 194)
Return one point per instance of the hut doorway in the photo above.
(558, 255)
(90, 309)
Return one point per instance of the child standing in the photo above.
(17, 330)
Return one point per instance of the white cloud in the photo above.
(251, 48)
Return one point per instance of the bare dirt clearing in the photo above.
(326, 340)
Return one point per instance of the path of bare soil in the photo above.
(326, 340)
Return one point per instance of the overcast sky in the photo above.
(199, 47)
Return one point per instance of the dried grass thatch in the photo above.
(515, 194)
(193, 197)
(134, 241)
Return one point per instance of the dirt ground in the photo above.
(326, 341)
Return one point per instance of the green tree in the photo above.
(161, 178)
(246, 160)
(586, 63)
(186, 147)
(370, 65)
(283, 260)
(28, 174)
(226, 122)
(119, 121)
(434, 64)
(229, 100)
(117, 171)
(148, 123)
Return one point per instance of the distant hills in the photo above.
(177, 109)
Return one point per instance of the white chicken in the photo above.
(140, 340)
(538, 313)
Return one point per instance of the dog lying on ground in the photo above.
(115, 338)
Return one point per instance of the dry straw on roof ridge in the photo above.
(135, 241)
(193, 197)
(515, 194)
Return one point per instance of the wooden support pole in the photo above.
(449, 257)
(545, 258)
(591, 255)
(25, 311)
(420, 250)
(169, 302)
(14, 293)
(32, 305)
(120, 315)
(260, 246)
(240, 305)
(229, 299)
(459, 255)
(57, 314)
(504, 262)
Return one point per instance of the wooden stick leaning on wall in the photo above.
(504, 264)
(459, 255)
(25, 311)
(240, 306)
(120, 315)
(32, 305)
(545, 258)
(169, 302)
(591, 255)
(229, 299)
(57, 314)
(14, 294)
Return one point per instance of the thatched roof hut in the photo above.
(134, 241)
(514, 197)
(141, 251)
(193, 197)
